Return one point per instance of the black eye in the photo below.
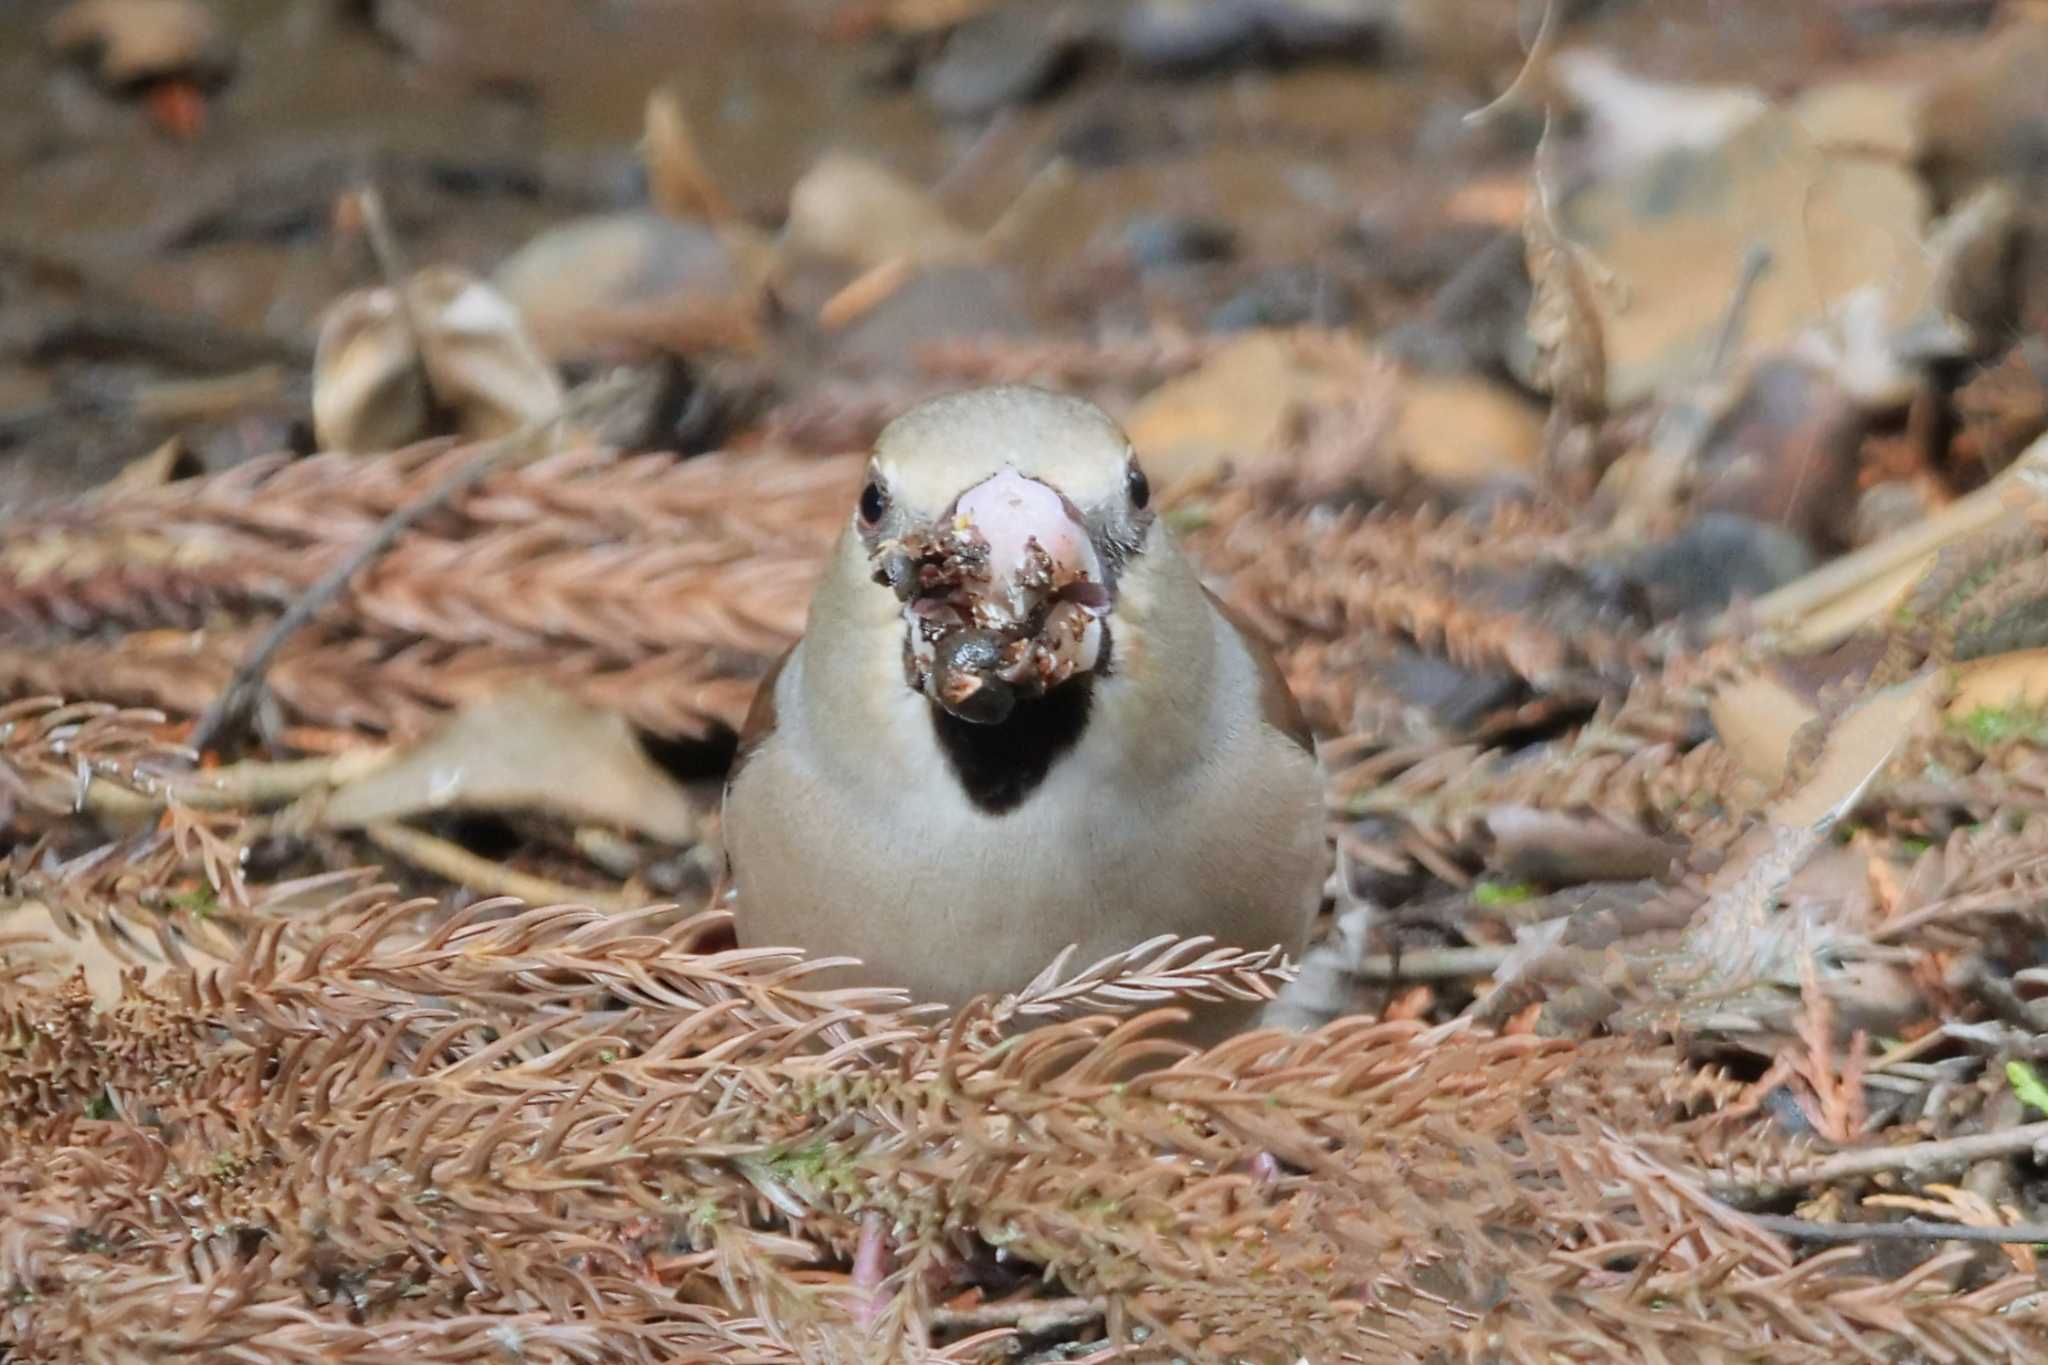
(1138, 486)
(873, 502)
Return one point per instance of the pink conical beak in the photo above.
(1012, 514)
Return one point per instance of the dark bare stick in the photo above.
(514, 447)
(1921, 1158)
(1905, 1230)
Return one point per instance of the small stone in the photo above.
(1787, 451)
(937, 304)
(127, 44)
(1161, 241)
(1703, 568)
(1324, 28)
(1286, 296)
(1191, 36)
(1456, 697)
(1007, 56)
(1187, 36)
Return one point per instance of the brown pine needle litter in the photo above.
(269, 1106)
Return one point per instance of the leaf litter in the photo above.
(366, 984)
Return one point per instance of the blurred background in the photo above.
(786, 200)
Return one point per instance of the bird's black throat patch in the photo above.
(998, 766)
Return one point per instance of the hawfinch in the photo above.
(1017, 720)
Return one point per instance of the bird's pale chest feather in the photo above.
(1122, 837)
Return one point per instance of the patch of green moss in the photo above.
(2027, 1085)
(817, 1166)
(1994, 727)
(200, 902)
(1491, 894)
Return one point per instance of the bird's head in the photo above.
(1001, 520)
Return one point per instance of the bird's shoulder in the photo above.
(761, 719)
(1277, 704)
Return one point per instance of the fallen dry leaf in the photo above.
(529, 748)
(849, 209)
(377, 386)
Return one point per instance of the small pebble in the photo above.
(1286, 296)
(127, 44)
(1161, 241)
(1701, 570)
(938, 304)
(1183, 37)
(1007, 56)
(1188, 37)
(1323, 28)
(1455, 697)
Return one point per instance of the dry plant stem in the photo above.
(459, 865)
(383, 241)
(234, 701)
(870, 1268)
(1038, 193)
(1918, 1157)
(865, 293)
(1754, 262)
(1430, 964)
(397, 272)
(1029, 1316)
(1905, 1230)
(391, 262)
(236, 786)
(198, 399)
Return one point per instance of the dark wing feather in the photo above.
(760, 721)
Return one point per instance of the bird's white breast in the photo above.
(887, 860)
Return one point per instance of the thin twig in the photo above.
(384, 246)
(234, 786)
(1907, 1229)
(397, 272)
(1755, 261)
(1920, 1158)
(1429, 964)
(485, 457)
(1029, 1316)
(459, 865)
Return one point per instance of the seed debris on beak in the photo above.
(1003, 602)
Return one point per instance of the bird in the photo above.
(1017, 721)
